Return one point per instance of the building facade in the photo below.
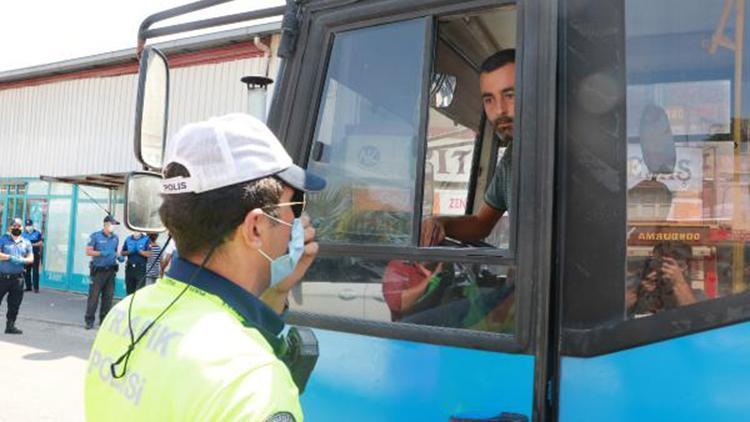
(66, 132)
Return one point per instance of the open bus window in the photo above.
(463, 150)
(365, 144)
(688, 159)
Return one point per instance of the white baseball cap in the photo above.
(231, 149)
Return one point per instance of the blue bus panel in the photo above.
(374, 379)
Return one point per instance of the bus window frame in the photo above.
(303, 90)
(594, 323)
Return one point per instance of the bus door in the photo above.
(383, 99)
(654, 194)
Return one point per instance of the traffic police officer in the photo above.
(207, 334)
(15, 253)
(102, 247)
(34, 237)
(136, 249)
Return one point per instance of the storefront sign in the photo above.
(651, 235)
(450, 202)
(687, 175)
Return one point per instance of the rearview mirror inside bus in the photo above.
(442, 90)
(142, 202)
(152, 106)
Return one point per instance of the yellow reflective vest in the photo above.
(204, 359)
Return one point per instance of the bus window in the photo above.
(366, 136)
(366, 141)
(687, 152)
(464, 148)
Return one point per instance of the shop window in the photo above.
(57, 238)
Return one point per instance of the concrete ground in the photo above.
(42, 370)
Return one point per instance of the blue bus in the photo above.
(612, 284)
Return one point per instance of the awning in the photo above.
(107, 181)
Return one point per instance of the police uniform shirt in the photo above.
(34, 237)
(204, 359)
(20, 248)
(103, 243)
(499, 194)
(133, 246)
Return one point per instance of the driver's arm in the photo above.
(465, 227)
(472, 227)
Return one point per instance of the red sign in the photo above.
(726, 235)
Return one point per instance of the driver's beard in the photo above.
(504, 140)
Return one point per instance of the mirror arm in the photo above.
(144, 31)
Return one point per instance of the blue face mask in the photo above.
(284, 265)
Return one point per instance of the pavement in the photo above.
(43, 369)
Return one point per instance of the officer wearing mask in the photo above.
(136, 249)
(34, 237)
(15, 253)
(102, 248)
(208, 335)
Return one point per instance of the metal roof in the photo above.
(108, 181)
(182, 45)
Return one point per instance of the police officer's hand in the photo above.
(433, 232)
(276, 296)
(17, 260)
(307, 258)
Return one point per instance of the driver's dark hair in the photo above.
(498, 60)
(200, 221)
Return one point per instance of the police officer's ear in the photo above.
(252, 228)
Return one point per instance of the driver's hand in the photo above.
(433, 232)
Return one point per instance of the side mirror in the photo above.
(142, 202)
(442, 90)
(151, 109)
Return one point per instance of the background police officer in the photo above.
(135, 247)
(15, 253)
(102, 247)
(211, 345)
(34, 237)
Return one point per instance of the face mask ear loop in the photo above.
(277, 220)
(265, 255)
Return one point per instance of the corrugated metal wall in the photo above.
(85, 126)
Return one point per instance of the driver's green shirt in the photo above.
(201, 361)
(499, 193)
